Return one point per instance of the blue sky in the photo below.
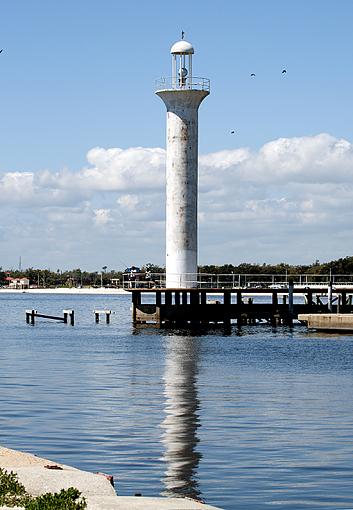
(79, 75)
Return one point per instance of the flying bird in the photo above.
(232, 132)
(284, 71)
(0, 51)
(253, 74)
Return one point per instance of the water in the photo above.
(244, 421)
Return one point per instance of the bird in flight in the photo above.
(232, 132)
(253, 74)
(284, 71)
(0, 51)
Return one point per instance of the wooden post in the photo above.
(239, 307)
(184, 297)
(107, 316)
(329, 296)
(67, 314)
(177, 298)
(226, 305)
(343, 300)
(309, 297)
(194, 302)
(96, 317)
(290, 299)
(274, 299)
(274, 308)
(194, 298)
(30, 314)
(136, 300)
(168, 297)
(158, 298)
(203, 297)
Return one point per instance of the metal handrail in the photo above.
(189, 83)
(239, 280)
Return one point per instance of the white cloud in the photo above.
(16, 186)
(136, 168)
(101, 217)
(128, 201)
(282, 202)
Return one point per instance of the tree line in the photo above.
(78, 277)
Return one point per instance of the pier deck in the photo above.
(174, 307)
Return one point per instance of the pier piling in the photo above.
(98, 313)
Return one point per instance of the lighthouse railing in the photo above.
(193, 83)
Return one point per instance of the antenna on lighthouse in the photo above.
(182, 34)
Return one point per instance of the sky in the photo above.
(82, 145)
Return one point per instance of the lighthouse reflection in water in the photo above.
(182, 420)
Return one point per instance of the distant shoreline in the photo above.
(63, 290)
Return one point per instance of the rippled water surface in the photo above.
(258, 418)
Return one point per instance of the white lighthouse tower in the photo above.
(182, 94)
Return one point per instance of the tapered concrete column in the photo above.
(182, 185)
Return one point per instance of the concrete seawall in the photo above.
(33, 472)
(328, 321)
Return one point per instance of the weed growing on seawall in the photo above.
(68, 499)
(13, 493)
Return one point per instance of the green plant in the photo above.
(13, 493)
(68, 499)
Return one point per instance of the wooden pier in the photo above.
(196, 307)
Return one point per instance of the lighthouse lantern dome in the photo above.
(182, 52)
(182, 47)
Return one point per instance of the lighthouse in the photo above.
(182, 95)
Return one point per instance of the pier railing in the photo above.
(147, 280)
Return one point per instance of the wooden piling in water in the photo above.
(98, 313)
(69, 314)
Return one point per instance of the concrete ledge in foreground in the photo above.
(99, 493)
(328, 321)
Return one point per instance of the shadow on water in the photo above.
(182, 419)
(218, 330)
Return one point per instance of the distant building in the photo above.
(18, 283)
